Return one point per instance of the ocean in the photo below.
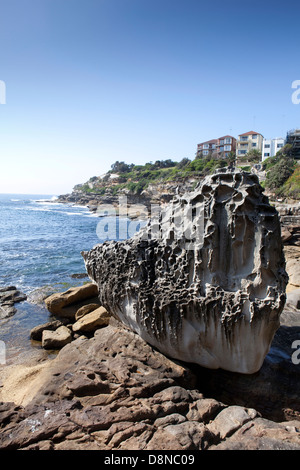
(40, 244)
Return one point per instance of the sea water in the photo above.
(40, 244)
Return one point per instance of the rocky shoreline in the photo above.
(107, 389)
(113, 391)
(103, 387)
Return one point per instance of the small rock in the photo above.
(293, 298)
(230, 419)
(8, 297)
(85, 310)
(79, 275)
(91, 321)
(56, 339)
(37, 332)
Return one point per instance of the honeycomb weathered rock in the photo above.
(205, 280)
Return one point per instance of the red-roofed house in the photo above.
(225, 145)
(248, 141)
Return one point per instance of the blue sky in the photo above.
(89, 82)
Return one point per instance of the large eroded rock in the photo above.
(205, 280)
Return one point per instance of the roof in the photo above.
(224, 136)
(251, 133)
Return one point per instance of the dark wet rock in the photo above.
(79, 275)
(9, 296)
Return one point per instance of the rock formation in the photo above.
(115, 392)
(203, 282)
(9, 296)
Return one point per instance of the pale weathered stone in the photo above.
(205, 281)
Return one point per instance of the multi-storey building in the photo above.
(206, 148)
(248, 141)
(271, 147)
(225, 145)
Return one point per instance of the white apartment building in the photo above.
(271, 147)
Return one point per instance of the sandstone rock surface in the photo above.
(205, 281)
(56, 339)
(91, 321)
(115, 392)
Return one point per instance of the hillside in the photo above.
(158, 182)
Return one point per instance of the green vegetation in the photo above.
(283, 174)
(136, 178)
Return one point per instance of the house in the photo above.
(225, 145)
(248, 141)
(206, 148)
(271, 147)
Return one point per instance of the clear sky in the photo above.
(89, 82)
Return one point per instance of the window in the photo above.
(206, 146)
(267, 146)
(227, 147)
(242, 152)
(213, 146)
(254, 136)
(279, 146)
(266, 154)
(221, 142)
(228, 140)
(205, 152)
(244, 138)
(221, 149)
(254, 145)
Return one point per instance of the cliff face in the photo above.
(205, 280)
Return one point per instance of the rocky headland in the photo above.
(109, 388)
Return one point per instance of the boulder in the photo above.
(56, 339)
(92, 321)
(205, 280)
(9, 296)
(66, 304)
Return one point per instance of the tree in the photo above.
(121, 167)
(183, 163)
(253, 155)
